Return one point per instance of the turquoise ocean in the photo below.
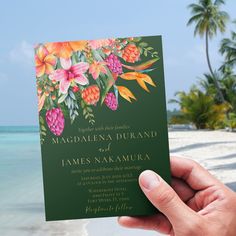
(21, 193)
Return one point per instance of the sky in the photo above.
(25, 23)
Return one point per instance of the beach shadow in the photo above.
(229, 156)
(54, 228)
(197, 145)
(232, 185)
(231, 166)
(37, 207)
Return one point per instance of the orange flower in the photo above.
(44, 61)
(96, 68)
(65, 49)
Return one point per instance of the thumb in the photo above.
(164, 198)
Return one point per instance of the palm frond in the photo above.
(196, 9)
(219, 2)
(205, 3)
(200, 28)
(194, 18)
(207, 17)
(173, 101)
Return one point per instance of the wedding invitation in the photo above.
(102, 116)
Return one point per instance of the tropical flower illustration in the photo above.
(131, 53)
(96, 68)
(70, 74)
(99, 43)
(44, 61)
(74, 77)
(65, 49)
(55, 120)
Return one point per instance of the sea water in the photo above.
(21, 187)
(21, 193)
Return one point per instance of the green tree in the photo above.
(227, 85)
(228, 50)
(229, 91)
(207, 84)
(209, 19)
(200, 109)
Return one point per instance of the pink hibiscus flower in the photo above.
(69, 74)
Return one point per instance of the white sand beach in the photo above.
(21, 201)
(215, 150)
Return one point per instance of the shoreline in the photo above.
(21, 203)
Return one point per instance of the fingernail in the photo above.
(149, 179)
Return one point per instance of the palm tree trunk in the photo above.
(210, 68)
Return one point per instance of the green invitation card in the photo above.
(102, 116)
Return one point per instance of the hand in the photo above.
(196, 204)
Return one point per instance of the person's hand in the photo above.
(196, 204)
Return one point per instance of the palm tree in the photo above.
(227, 86)
(228, 49)
(208, 19)
(200, 109)
(208, 85)
(229, 91)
